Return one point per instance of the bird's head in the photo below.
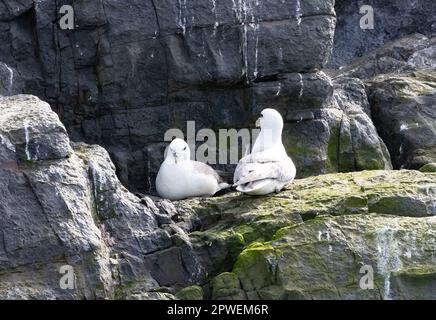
(178, 151)
(270, 119)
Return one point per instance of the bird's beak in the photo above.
(175, 157)
(258, 123)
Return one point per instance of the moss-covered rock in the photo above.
(429, 167)
(255, 266)
(311, 240)
(190, 293)
(227, 286)
(324, 259)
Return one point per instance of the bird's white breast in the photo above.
(180, 181)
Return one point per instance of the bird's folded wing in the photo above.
(260, 157)
(250, 172)
(202, 168)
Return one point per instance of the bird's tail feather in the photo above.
(252, 186)
(223, 185)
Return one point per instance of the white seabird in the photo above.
(268, 168)
(180, 178)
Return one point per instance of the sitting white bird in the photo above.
(180, 178)
(268, 168)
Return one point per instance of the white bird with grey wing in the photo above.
(268, 168)
(180, 178)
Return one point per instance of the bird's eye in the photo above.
(261, 115)
(184, 148)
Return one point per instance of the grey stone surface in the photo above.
(405, 54)
(66, 206)
(403, 108)
(9, 80)
(32, 130)
(394, 19)
(312, 240)
(337, 138)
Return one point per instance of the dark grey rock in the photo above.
(337, 138)
(12, 9)
(11, 82)
(424, 58)
(403, 108)
(67, 207)
(359, 145)
(32, 130)
(293, 92)
(393, 19)
(402, 55)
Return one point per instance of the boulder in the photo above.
(190, 293)
(30, 129)
(63, 208)
(328, 258)
(340, 137)
(403, 112)
(227, 286)
(400, 84)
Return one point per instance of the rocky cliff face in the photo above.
(130, 71)
(400, 85)
(64, 206)
(393, 19)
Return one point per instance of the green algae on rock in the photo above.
(323, 259)
(337, 223)
(227, 286)
(190, 293)
(429, 167)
